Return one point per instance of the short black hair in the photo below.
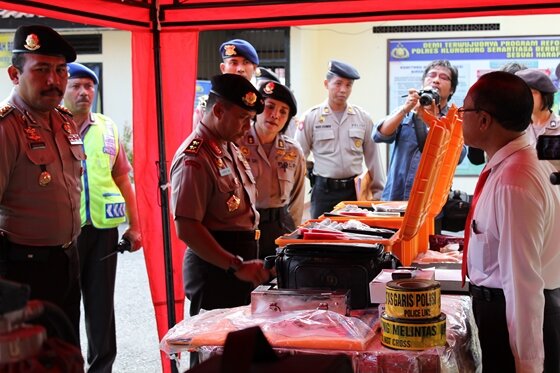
(506, 97)
(18, 60)
(454, 73)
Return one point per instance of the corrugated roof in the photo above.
(12, 14)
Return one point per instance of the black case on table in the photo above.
(334, 267)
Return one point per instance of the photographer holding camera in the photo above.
(406, 128)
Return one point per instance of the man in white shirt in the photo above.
(513, 254)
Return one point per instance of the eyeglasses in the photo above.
(442, 76)
(461, 111)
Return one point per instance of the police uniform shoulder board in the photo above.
(194, 146)
(64, 110)
(6, 110)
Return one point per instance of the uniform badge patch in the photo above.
(32, 134)
(193, 147)
(233, 203)
(358, 143)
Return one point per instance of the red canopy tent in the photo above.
(164, 58)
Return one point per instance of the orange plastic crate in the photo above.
(428, 195)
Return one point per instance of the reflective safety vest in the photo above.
(102, 202)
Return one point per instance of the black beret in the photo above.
(536, 79)
(40, 39)
(266, 74)
(238, 91)
(279, 92)
(239, 47)
(343, 70)
(77, 70)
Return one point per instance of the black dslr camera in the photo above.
(548, 148)
(428, 95)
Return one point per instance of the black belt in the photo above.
(271, 214)
(56, 247)
(487, 294)
(337, 184)
(237, 235)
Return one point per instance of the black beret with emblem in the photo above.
(237, 90)
(277, 91)
(239, 47)
(343, 70)
(537, 79)
(44, 40)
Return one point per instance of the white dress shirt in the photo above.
(515, 244)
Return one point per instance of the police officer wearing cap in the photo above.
(543, 119)
(278, 166)
(213, 200)
(108, 198)
(40, 167)
(238, 57)
(339, 136)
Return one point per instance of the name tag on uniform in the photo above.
(225, 171)
(74, 139)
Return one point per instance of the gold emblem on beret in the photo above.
(249, 99)
(269, 88)
(229, 50)
(32, 42)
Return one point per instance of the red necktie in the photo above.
(479, 185)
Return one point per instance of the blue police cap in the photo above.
(237, 90)
(537, 79)
(38, 39)
(266, 74)
(77, 70)
(277, 91)
(343, 70)
(239, 47)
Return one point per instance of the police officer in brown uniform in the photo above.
(278, 165)
(213, 200)
(40, 167)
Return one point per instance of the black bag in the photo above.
(455, 211)
(248, 350)
(334, 267)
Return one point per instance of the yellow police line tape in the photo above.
(413, 299)
(413, 334)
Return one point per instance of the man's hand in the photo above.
(135, 238)
(253, 271)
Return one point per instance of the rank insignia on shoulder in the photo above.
(64, 110)
(5, 110)
(194, 146)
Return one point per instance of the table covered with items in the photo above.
(323, 331)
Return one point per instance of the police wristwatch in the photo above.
(235, 264)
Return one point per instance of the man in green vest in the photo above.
(108, 198)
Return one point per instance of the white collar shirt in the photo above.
(514, 244)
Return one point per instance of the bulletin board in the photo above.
(473, 57)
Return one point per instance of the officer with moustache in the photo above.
(213, 200)
(40, 168)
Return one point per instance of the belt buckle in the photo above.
(66, 245)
